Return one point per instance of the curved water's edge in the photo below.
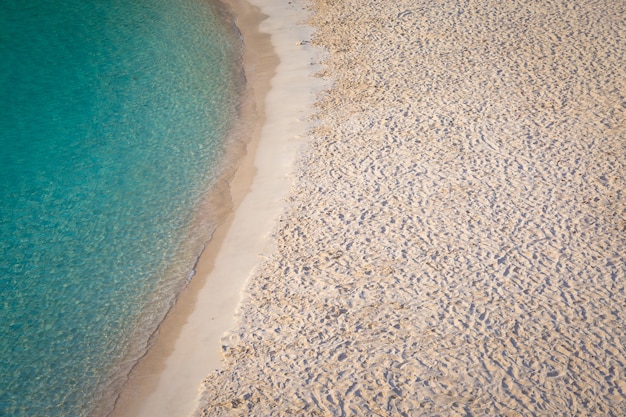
(279, 64)
(212, 211)
(212, 218)
(283, 137)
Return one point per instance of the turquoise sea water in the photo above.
(113, 118)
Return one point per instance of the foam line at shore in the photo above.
(281, 90)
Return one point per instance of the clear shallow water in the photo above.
(113, 114)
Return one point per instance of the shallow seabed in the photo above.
(113, 121)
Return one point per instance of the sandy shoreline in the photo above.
(455, 241)
(165, 382)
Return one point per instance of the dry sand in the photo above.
(455, 240)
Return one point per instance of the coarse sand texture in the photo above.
(454, 241)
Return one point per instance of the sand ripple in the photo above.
(455, 240)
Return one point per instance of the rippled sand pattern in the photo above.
(455, 242)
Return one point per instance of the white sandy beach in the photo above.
(455, 235)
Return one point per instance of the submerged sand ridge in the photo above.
(455, 239)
